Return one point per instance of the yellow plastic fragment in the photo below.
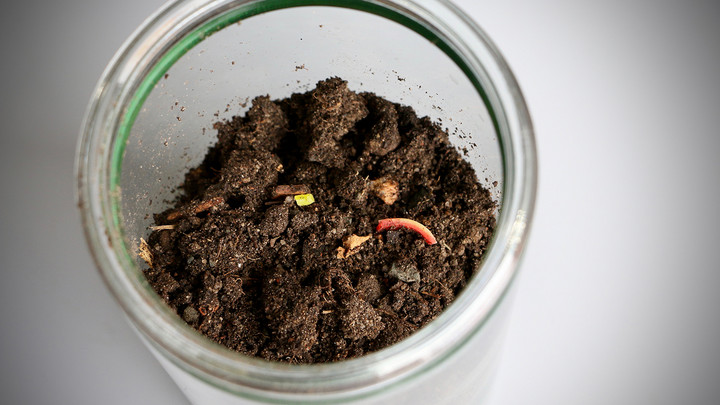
(304, 199)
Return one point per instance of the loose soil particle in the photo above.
(247, 267)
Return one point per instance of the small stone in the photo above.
(404, 271)
(190, 315)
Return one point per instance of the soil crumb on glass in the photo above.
(272, 248)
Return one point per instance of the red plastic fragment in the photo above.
(397, 223)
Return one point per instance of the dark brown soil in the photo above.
(249, 268)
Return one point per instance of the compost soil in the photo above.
(241, 261)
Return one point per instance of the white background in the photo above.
(617, 300)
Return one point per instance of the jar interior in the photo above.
(168, 125)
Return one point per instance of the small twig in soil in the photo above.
(396, 317)
(206, 205)
(430, 294)
(388, 313)
(228, 273)
(439, 282)
(285, 190)
(220, 249)
(445, 246)
(162, 227)
(416, 295)
(397, 223)
(200, 207)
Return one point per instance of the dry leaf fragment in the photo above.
(351, 245)
(386, 189)
(353, 241)
(145, 253)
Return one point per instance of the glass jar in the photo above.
(195, 62)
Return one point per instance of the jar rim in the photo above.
(107, 119)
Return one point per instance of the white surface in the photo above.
(617, 299)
